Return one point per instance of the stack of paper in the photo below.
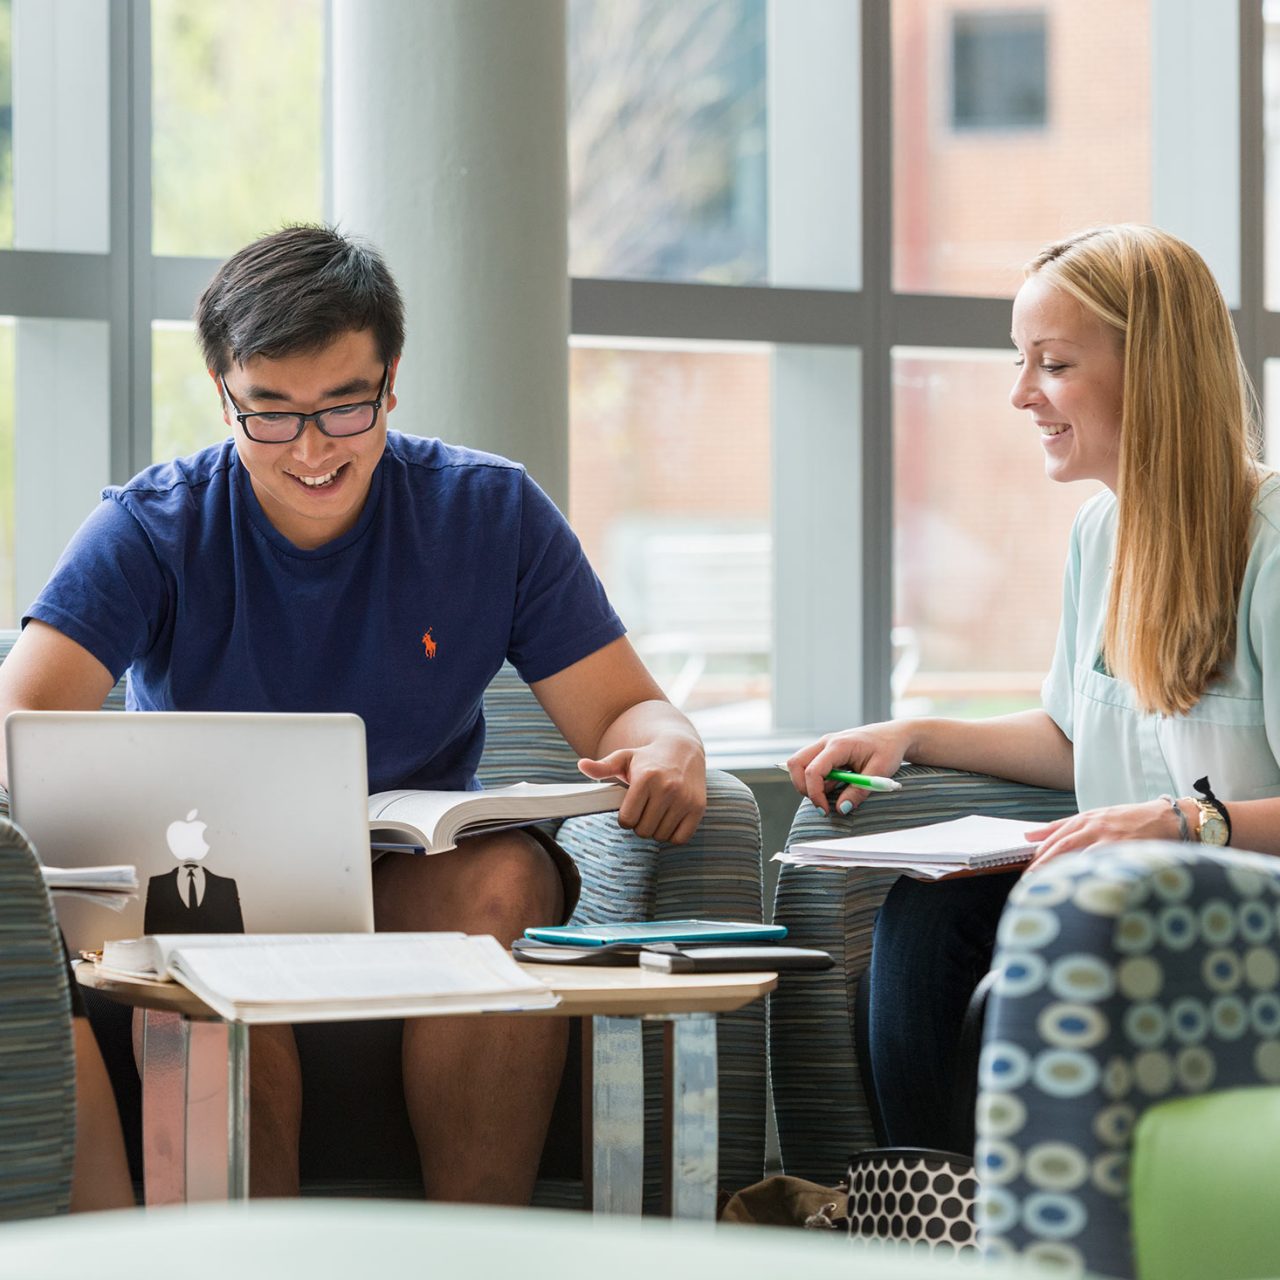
(316, 977)
(974, 843)
(110, 886)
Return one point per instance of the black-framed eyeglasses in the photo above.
(340, 421)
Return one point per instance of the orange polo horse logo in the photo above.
(428, 644)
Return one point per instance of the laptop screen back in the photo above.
(235, 822)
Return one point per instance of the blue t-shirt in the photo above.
(457, 562)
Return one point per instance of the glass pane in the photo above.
(1271, 118)
(6, 124)
(992, 160)
(980, 539)
(61, 391)
(676, 523)
(667, 139)
(8, 604)
(1271, 411)
(237, 139)
(56, 142)
(185, 414)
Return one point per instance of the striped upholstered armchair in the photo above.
(821, 1110)
(352, 1070)
(37, 1065)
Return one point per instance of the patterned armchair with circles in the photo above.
(352, 1070)
(1128, 1111)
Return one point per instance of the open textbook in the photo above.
(975, 843)
(437, 820)
(295, 977)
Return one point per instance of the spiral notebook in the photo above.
(963, 845)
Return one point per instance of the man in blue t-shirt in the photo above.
(318, 562)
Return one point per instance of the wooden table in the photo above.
(195, 1082)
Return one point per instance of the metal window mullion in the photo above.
(876, 426)
(1258, 335)
(130, 268)
(52, 285)
(685, 311)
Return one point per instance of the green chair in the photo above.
(1204, 1187)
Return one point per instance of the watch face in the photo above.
(1212, 828)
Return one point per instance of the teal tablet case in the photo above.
(644, 931)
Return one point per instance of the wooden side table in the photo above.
(195, 1082)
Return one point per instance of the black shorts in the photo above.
(77, 1000)
(570, 880)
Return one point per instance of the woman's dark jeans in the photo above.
(932, 945)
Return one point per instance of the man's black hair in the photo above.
(295, 291)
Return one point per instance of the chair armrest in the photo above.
(1129, 975)
(37, 1064)
(717, 875)
(818, 1094)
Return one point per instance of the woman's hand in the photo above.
(875, 748)
(1152, 820)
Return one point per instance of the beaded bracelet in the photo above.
(1184, 827)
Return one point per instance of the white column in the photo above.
(61, 378)
(448, 152)
(1195, 131)
(815, 240)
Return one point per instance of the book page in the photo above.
(355, 969)
(152, 956)
(964, 841)
(438, 818)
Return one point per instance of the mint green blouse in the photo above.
(1123, 754)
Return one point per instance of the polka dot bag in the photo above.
(914, 1195)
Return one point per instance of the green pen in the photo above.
(868, 782)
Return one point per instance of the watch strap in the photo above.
(1202, 786)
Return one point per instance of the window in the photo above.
(788, 317)
(8, 602)
(6, 124)
(237, 121)
(670, 494)
(186, 416)
(980, 538)
(972, 203)
(998, 66)
(667, 140)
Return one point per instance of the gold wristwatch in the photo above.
(1214, 827)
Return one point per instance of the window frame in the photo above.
(129, 288)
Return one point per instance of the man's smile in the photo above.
(322, 481)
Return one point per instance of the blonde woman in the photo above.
(1162, 707)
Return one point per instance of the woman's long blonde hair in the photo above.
(1187, 476)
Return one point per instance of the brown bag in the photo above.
(789, 1202)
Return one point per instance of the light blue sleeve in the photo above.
(1057, 694)
(1264, 639)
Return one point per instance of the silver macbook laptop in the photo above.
(235, 822)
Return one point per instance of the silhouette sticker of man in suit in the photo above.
(190, 899)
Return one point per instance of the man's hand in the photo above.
(1152, 820)
(666, 787)
(613, 714)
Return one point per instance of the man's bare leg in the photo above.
(275, 1111)
(100, 1171)
(479, 1090)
